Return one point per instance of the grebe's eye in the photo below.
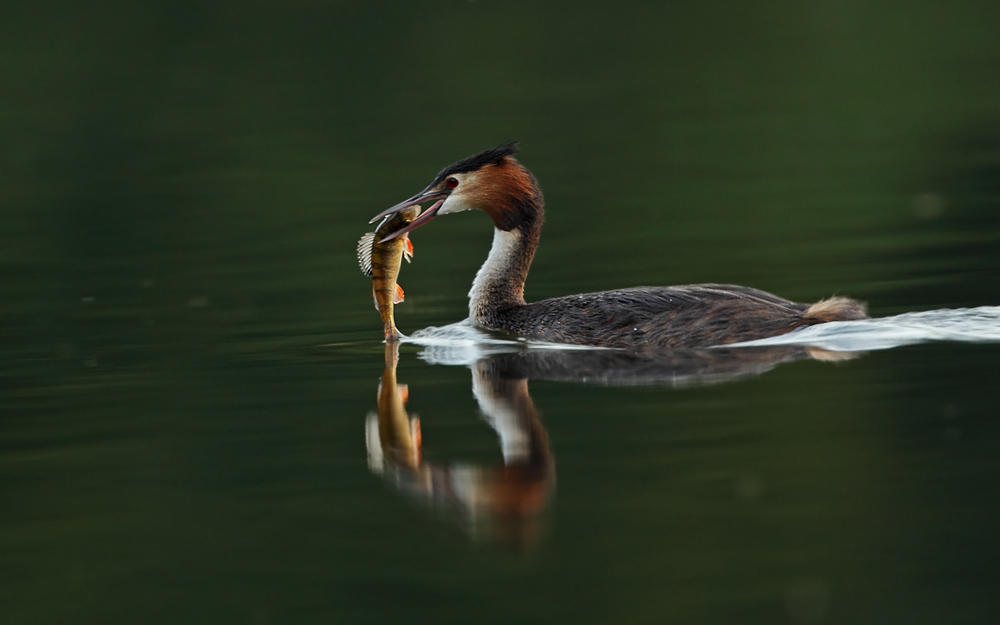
(451, 183)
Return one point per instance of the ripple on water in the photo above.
(967, 325)
(463, 343)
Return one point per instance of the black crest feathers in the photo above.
(492, 156)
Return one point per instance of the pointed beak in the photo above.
(424, 217)
(423, 196)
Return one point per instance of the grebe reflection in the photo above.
(505, 502)
(501, 502)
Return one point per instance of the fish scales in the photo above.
(381, 262)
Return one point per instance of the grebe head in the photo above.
(491, 181)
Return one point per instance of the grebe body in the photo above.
(697, 315)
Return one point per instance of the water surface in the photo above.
(191, 361)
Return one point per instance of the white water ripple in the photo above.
(967, 325)
(463, 343)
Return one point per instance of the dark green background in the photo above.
(188, 351)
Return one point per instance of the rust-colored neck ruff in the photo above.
(517, 209)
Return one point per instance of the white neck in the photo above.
(492, 280)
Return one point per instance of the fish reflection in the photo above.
(501, 502)
(504, 502)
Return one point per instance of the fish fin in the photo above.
(375, 299)
(407, 249)
(365, 253)
(398, 297)
(404, 392)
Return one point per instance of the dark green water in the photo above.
(188, 352)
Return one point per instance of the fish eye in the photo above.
(451, 182)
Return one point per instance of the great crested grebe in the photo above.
(696, 315)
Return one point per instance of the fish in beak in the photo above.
(424, 196)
